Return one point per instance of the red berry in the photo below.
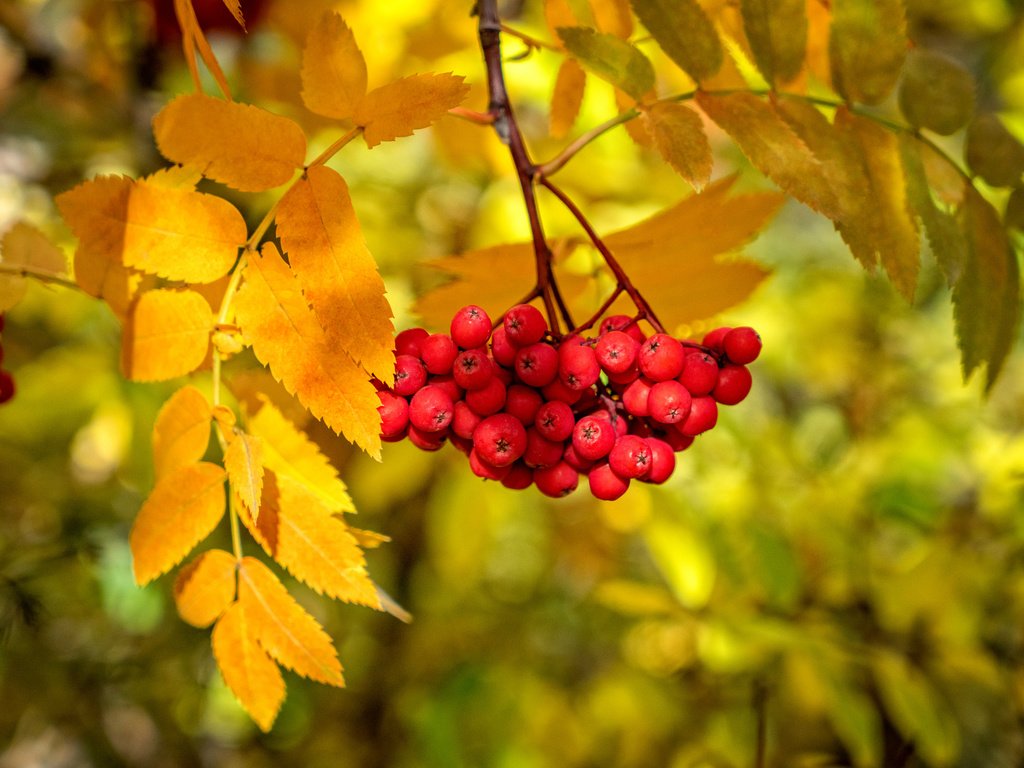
(408, 341)
(483, 469)
(488, 400)
(733, 385)
(700, 372)
(471, 327)
(605, 484)
(460, 443)
(636, 397)
(623, 323)
(663, 461)
(669, 402)
(620, 425)
(500, 439)
(556, 481)
(661, 357)
(448, 385)
(472, 369)
(742, 345)
(616, 352)
(410, 375)
(574, 460)
(555, 420)
(537, 364)
(394, 415)
(465, 420)
(438, 353)
(715, 339)
(426, 441)
(524, 325)
(593, 437)
(523, 402)
(431, 409)
(703, 416)
(577, 366)
(630, 457)
(501, 348)
(676, 439)
(519, 477)
(541, 452)
(558, 390)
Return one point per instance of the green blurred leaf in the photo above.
(683, 559)
(851, 712)
(610, 58)
(936, 92)
(993, 153)
(777, 32)
(867, 47)
(1013, 218)
(684, 32)
(678, 133)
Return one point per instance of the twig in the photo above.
(43, 277)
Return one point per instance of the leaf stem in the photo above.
(332, 150)
(531, 42)
(43, 277)
(236, 534)
(472, 116)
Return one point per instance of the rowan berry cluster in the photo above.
(528, 409)
(6, 380)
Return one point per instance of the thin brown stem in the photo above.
(42, 277)
(600, 312)
(530, 41)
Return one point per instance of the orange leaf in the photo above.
(25, 246)
(285, 335)
(240, 145)
(205, 587)
(182, 509)
(181, 431)
(168, 335)
(301, 534)
(235, 7)
(568, 97)
(251, 675)
(678, 133)
(243, 461)
(320, 233)
(613, 16)
(403, 106)
(283, 628)
(192, 39)
(333, 69)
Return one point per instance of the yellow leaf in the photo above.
(684, 32)
(613, 16)
(687, 241)
(300, 533)
(235, 7)
(205, 587)
(333, 69)
(24, 246)
(368, 539)
(611, 58)
(286, 336)
(248, 671)
(777, 31)
(167, 335)
(283, 628)
(288, 452)
(678, 133)
(192, 39)
(320, 233)
(182, 509)
(176, 233)
(867, 45)
(240, 145)
(243, 461)
(567, 97)
(558, 13)
(102, 275)
(403, 106)
(181, 431)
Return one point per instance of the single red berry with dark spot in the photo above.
(500, 439)
(431, 409)
(577, 366)
(394, 415)
(472, 369)
(410, 375)
(555, 420)
(524, 324)
(663, 461)
(593, 437)
(616, 352)
(669, 402)
(630, 457)
(661, 357)
(700, 373)
(559, 480)
(537, 364)
(471, 327)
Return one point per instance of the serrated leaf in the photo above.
(167, 335)
(936, 92)
(241, 145)
(235, 8)
(777, 32)
(612, 16)
(286, 336)
(558, 13)
(283, 628)
(688, 241)
(243, 461)
(867, 46)
(192, 40)
(333, 69)
(319, 231)
(610, 58)
(678, 133)
(772, 147)
(301, 534)
(23, 246)
(986, 298)
(205, 588)
(179, 234)
(289, 453)
(993, 153)
(181, 511)
(567, 98)
(181, 431)
(248, 671)
(406, 105)
(685, 34)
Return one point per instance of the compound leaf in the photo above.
(405, 105)
(333, 69)
(777, 32)
(684, 32)
(936, 92)
(181, 431)
(166, 335)
(610, 58)
(867, 46)
(248, 671)
(205, 587)
(678, 133)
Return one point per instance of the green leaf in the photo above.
(685, 34)
(1013, 218)
(611, 59)
(684, 560)
(986, 298)
(851, 712)
(936, 93)
(993, 153)
(867, 47)
(678, 133)
(777, 32)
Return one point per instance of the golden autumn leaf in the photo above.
(613, 16)
(368, 539)
(611, 58)
(176, 233)
(205, 587)
(192, 40)
(686, 34)
(678, 134)
(243, 461)
(24, 246)
(688, 241)
(570, 85)
(235, 7)
(286, 336)
(289, 453)
(283, 628)
(181, 431)
(333, 69)
(249, 672)
(405, 105)
(241, 145)
(181, 510)
(301, 534)
(777, 32)
(167, 335)
(320, 233)
(558, 13)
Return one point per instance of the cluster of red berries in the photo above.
(6, 380)
(529, 410)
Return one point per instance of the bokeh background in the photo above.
(834, 576)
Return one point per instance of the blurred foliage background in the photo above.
(834, 576)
